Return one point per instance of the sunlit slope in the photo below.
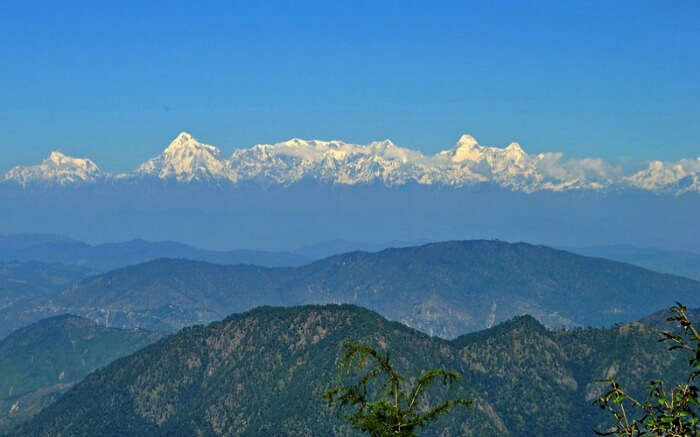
(263, 373)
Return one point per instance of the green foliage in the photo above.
(387, 409)
(664, 412)
(40, 362)
(659, 318)
(264, 372)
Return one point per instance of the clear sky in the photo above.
(115, 83)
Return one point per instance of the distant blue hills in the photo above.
(278, 218)
(58, 249)
(108, 256)
(444, 288)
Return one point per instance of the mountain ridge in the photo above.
(41, 361)
(186, 160)
(681, 263)
(264, 371)
(107, 256)
(443, 289)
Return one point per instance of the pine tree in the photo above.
(664, 412)
(383, 403)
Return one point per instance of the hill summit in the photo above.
(443, 289)
(264, 372)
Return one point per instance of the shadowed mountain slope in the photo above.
(108, 256)
(40, 362)
(443, 289)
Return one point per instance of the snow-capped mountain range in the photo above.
(187, 160)
(59, 169)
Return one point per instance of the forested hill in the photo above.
(659, 318)
(40, 362)
(263, 373)
(30, 279)
(443, 289)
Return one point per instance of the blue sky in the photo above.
(618, 80)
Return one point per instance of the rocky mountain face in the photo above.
(467, 164)
(443, 289)
(264, 372)
(40, 362)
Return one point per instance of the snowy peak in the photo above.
(59, 169)
(185, 143)
(467, 149)
(468, 163)
(515, 149)
(318, 151)
(335, 162)
(679, 177)
(183, 137)
(186, 160)
(467, 141)
(56, 157)
(59, 160)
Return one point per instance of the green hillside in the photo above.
(263, 373)
(41, 361)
